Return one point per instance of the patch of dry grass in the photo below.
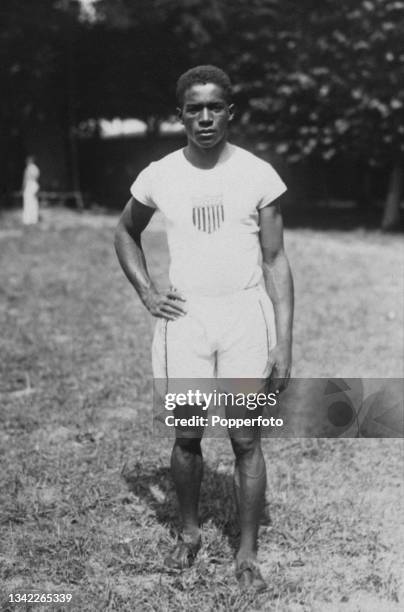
(86, 503)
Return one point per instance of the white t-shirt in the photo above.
(211, 217)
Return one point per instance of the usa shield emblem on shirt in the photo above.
(208, 218)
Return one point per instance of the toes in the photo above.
(250, 577)
(183, 554)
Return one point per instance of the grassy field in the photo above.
(86, 503)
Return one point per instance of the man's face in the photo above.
(205, 114)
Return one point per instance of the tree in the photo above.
(314, 79)
(330, 83)
(130, 59)
(37, 74)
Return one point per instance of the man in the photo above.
(225, 233)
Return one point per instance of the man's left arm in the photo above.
(279, 286)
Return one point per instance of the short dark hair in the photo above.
(201, 75)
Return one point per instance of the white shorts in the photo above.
(228, 336)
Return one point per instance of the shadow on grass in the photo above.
(155, 487)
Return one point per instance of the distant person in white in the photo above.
(30, 189)
(225, 235)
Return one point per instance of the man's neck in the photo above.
(205, 158)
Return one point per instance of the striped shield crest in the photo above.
(208, 218)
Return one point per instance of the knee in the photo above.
(188, 446)
(245, 446)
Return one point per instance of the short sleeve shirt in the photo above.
(211, 217)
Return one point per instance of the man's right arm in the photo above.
(128, 246)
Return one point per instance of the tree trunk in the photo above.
(153, 127)
(391, 215)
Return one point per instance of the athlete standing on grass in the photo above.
(225, 233)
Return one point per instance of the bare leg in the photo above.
(187, 469)
(249, 485)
